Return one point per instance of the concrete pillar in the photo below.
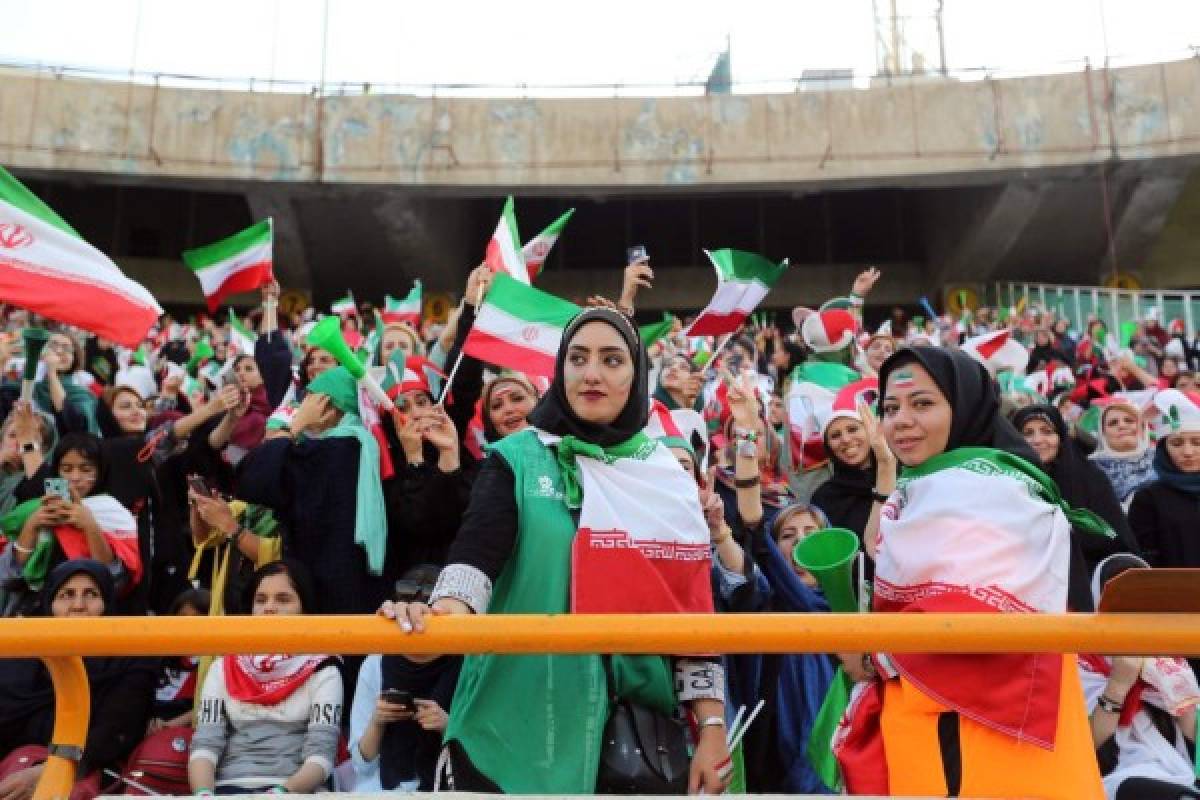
(975, 251)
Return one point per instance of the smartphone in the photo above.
(197, 485)
(636, 254)
(58, 487)
(400, 698)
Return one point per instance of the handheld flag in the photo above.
(240, 336)
(743, 280)
(344, 305)
(47, 268)
(519, 327)
(656, 330)
(406, 310)
(538, 248)
(237, 264)
(504, 250)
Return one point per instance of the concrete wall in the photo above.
(874, 135)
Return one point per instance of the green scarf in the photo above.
(1001, 462)
(38, 563)
(370, 513)
(80, 398)
(569, 447)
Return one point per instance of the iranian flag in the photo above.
(240, 263)
(519, 327)
(643, 544)
(240, 336)
(504, 253)
(743, 280)
(537, 248)
(47, 268)
(344, 305)
(406, 310)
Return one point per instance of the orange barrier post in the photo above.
(72, 707)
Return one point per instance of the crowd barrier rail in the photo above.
(62, 643)
(1113, 306)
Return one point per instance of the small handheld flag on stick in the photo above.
(240, 263)
(538, 248)
(406, 310)
(504, 253)
(743, 280)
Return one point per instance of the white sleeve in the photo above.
(370, 684)
(212, 724)
(324, 719)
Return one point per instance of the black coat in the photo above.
(311, 486)
(1167, 524)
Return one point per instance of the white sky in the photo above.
(543, 42)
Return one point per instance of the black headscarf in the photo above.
(69, 569)
(973, 396)
(846, 497)
(553, 412)
(26, 689)
(1082, 485)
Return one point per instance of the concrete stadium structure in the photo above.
(940, 182)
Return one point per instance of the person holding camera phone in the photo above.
(74, 519)
(396, 732)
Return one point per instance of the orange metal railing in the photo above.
(62, 643)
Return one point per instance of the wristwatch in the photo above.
(746, 448)
(30, 447)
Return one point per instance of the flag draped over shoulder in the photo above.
(1010, 553)
(504, 254)
(643, 544)
(743, 280)
(47, 268)
(240, 263)
(519, 327)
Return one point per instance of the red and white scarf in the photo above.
(268, 679)
(117, 526)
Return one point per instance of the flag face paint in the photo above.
(903, 379)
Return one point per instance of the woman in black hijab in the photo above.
(971, 525)
(121, 688)
(515, 554)
(1082, 485)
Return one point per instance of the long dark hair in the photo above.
(297, 574)
(87, 446)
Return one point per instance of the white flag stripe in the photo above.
(733, 296)
(213, 276)
(54, 252)
(520, 332)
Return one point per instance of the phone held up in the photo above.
(58, 487)
(637, 254)
(399, 697)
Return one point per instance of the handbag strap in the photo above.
(609, 680)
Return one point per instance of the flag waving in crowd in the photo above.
(743, 280)
(504, 254)
(240, 263)
(537, 249)
(519, 327)
(47, 268)
(405, 310)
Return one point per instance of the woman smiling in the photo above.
(975, 725)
